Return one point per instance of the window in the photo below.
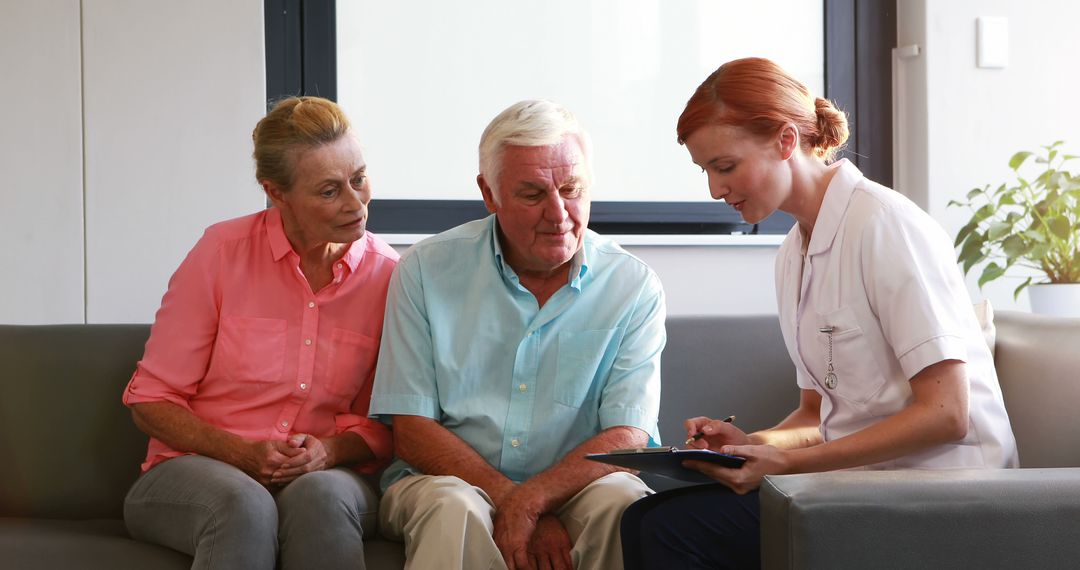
(625, 67)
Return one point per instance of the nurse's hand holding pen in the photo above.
(707, 433)
(723, 436)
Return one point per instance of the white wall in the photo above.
(714, 280)
(172, 92)
(165, 95)
(41, 199)
(962, 123)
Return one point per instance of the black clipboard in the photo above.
(667, 461)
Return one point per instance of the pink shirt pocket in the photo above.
(253, 347)
(352, 362)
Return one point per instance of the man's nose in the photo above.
(555, 209)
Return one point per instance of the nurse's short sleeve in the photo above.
(915, 287)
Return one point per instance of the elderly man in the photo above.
(513, 346)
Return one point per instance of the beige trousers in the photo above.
(446, 523)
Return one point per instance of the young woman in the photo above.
(893, 370)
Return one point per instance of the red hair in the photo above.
(757, 95)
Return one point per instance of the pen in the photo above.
(700, 434)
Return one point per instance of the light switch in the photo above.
(992, 42)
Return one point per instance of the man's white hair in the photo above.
(529, 123)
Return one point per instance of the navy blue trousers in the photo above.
(704, 526)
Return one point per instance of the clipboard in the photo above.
(667, 461)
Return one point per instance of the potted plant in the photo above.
(1032, 224)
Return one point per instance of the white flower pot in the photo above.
(1057, 299)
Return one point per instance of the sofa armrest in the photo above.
(1016, 518)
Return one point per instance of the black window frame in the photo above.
(301, 59)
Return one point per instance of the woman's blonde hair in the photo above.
(294, 124)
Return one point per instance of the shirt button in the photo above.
(522, 387)
(303, 386)
(311, 304)
(285, 423)
(307, 341)
(514, 442)
(339, 266)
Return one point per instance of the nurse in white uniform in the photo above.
(893, 369)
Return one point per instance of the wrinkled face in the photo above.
(543, 204)
(744, 170)
(328, 200)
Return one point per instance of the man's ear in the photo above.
(488, 193)
(789, 140)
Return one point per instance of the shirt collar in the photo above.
(275, 231)
(835, 203)
(579, 264)
(280, 246)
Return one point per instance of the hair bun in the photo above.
(832, 128)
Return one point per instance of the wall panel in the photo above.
(172, 92)
(41, 200)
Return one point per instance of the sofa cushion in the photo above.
(75, 451)
(1038, 367)
(740, 367)
(961, 518)
(30, 544)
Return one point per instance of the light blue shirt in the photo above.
(464, 343)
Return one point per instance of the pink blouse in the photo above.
(242, 342)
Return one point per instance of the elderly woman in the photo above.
(255, 383)
(893, 369)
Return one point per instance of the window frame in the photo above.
(301, 59)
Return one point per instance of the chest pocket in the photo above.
(352, 360)
(858, 377)
(252, 348)
(580, 359)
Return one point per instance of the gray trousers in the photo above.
(221, 516)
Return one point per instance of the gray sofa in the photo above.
(71, 452)
(1016, 518)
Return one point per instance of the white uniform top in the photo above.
(881, 272)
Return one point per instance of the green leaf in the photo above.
(974, 192)
(1038, 251)
(1060, 226)
(955, 203)
(990, 272)
(1014, 246)
(964, 232)
(1035, 236)
(1006, 200)
(998, 229)
(969, 263)
(984, 212)
(1018, 159)
(971, 253)
(1016, 293)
